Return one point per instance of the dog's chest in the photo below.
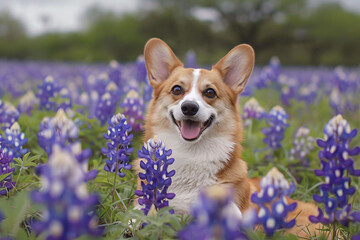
(196, 166)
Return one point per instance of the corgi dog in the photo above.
(195, 113)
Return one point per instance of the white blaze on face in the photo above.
(194, 95)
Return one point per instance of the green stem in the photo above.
(155, 199)
(17, 179)
(114, 185)
(334, 231)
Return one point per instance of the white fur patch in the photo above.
(196, 165)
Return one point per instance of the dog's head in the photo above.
(195, 103)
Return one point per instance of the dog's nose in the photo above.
(189, 108)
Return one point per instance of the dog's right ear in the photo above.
(160, 61)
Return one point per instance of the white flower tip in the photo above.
(49, 79)
(132, 94)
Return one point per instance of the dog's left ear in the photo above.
(236, 67)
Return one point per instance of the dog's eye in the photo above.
(210, 93)
(177, 90)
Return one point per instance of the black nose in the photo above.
(189, 108)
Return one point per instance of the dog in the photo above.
(195, 113)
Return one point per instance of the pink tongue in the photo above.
(190, 129)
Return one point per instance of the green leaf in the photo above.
(3, 176)
(15, 210)
(175, 222)
(168, 231)
(18, 161)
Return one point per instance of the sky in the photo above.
(40, 16)
(62, 15)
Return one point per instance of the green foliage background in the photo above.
(299, 34)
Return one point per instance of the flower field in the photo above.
(70, 131)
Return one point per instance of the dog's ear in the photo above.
(236, 67)
(160, 61)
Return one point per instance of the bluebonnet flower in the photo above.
(191, 59)
(6, 184)
(69, 208)
(8, 115)
(115, 74)
(155, 178)
(303, 145)
(309, 92)
(337, 101)
(270, 73)
(214, 217)
(66, 102)
(148, 90)
(100, 83)
(343, 81)
(276, 120)
(82, 156)
(105, 108)
(83, 99)
(13, 141)
(114, 90)
(27, 102)
(337, 165)
(118, 148)
(47, 91)
(344, 94)
(288, 89)
(133, 108)
(141, 69)
(272, 202)
(252, 109)
(59, 129)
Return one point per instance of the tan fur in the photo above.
(235, 171)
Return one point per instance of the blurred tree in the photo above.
(297, 33)
(179, 34)
(242, 21)
(333, 35)
(12, 36)
(10, 28)
(117, 37)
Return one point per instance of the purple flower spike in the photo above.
(214, 217)
(105, 108)
(59, 129)
(269, 73)
(8, 115)
(274, 190)
(6, 184)
(252, 110)
(66, 102)
(336, 165)
(13, 141)
(157, 178)
(27, 102)
(118, 148)
(303, 145)
(133, 108)
(191, 59)
(276, 120)
(47, 91)
(69, 208)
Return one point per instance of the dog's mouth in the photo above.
(191, 130)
